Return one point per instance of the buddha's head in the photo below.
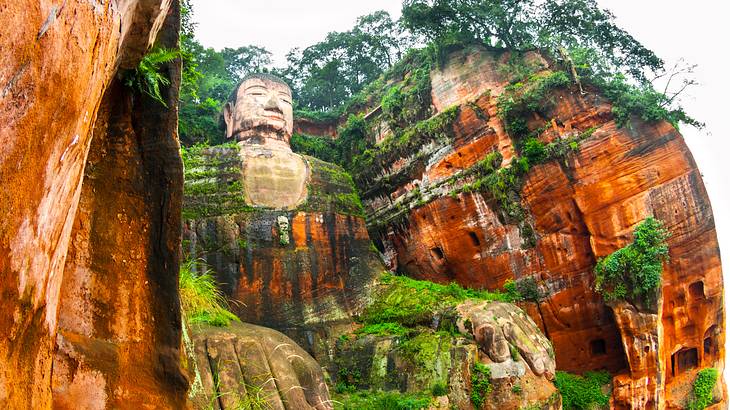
(260, 110)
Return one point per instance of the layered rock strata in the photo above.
(60, 237)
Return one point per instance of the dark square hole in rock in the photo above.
(437, 252)
(708, 345)
(697, 290)
(684, 360)
(598, 347)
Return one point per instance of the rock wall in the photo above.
(58, 62)
(293, 270)
(578, 208)
(307, 126)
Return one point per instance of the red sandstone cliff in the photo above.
(91, 188)
(580, 208)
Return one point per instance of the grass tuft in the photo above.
(202, 300)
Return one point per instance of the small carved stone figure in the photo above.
(283, 223)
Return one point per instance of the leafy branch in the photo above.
(148, 77)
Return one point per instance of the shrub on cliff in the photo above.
(149, 77)
(523, 99)
(582, 392)
(481, 384)
(702, 389)
(326, 149)
(634, 272)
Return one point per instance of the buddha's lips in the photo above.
(274, 115)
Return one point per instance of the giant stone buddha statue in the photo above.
(284, 233)
(259, 116)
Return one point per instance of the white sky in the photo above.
(671, 28)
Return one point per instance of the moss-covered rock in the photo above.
(418, 336)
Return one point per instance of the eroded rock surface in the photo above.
(577, 208)
(248, 366)
(499, 328)
(63, 268)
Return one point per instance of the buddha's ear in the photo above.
(228, 118)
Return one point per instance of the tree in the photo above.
(577, 32)
(326, 74)
(550, 25)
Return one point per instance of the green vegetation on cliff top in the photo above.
(409, 302)
(376, 62)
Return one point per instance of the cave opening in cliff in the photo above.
(437, 253)
(709, 344)
(697, 290)
(683, 360)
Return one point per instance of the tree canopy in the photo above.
(328, 74)
(549, 25)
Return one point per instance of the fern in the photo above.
(147, 77)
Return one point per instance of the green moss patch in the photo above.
(411, 302)
(331, 189)
(382, 329)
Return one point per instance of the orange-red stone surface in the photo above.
(320, 129)
(581, 208)
(56, 62)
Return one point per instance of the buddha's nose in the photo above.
(272, 103)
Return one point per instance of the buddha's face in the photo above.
(262, 107)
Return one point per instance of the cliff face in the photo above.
(64, 269)
(564, 214)
(311, 127)
(291, 269)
